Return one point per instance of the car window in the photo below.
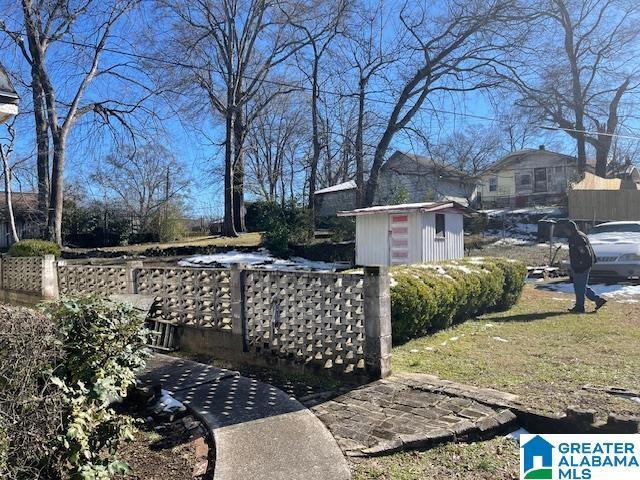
(631, 227)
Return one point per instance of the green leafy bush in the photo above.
(285, 226)
(430, 297)
(34, 248)
(60, 372)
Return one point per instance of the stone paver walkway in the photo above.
(258, 430)
(413, 411)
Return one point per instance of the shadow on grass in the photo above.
(532, 317)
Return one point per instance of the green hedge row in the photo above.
(34, 248)
(430, 297)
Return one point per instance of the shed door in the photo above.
(398, 239)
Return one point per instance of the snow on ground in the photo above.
(624, 293)
(260, 259)
(497, 212)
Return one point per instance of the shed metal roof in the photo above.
(350, 185)
(407, 208)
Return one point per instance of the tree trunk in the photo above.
(315, 157)
(378, 160)
(7, 196)
(360, 145)
(238, 173)
(42, 141)
(54, 224)
(228, 224)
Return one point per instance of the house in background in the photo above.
(408, 233)
(528, 177)
(329, 201)
(415, 178)
(403, 178)
(8, 97)
(25, 211)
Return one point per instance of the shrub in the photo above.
(430, 297)
(34, 248)
(287, 225)
(59, 373)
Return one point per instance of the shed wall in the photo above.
(372, 240)
(451, 246)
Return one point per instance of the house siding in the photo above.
(419, 182)
(560, 171)
(328, 204)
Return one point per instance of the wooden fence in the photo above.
(604, 205)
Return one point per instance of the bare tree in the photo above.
(5, 152)
(145, 180)
(34, 53)
(578, 83)
(87, 28)
(320, 24)
(273, 144)
(470, 151)
(449, 52)
(368, 52)
(232, 46)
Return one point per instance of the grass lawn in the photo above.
(243, 240)
(495, 459)
(538, 351)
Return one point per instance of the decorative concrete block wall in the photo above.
(189, 296)
(337, 322)
(87, 279)
(28, 279)
(307, 317)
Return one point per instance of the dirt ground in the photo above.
(159, 452)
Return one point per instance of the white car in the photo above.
(617, 247)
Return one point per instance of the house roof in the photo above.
(407, 208)
(350, 185)
(23, 203)
(518, 154)
(441, 169)
(7, 92)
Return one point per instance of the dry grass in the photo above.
(252, 239)
(496, 459)
(538, 351)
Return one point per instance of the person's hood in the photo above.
(573, 227)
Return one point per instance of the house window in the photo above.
(540, 178)
(523, 182)
(493, 184)
(440, 225)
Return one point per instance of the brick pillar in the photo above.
(377, 321)
(49, 285)
(132, 277)
(236, 284)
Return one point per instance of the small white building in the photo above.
(409, 233)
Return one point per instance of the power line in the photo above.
(323, 91)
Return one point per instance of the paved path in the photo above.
(413, 411)
(259, 431)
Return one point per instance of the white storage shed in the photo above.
(409, 233)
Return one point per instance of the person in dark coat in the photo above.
(582, 258)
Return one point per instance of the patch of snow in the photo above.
(414, 350)
(515, 435)
(497, 212)
(617, 292)
(429, 349)
(453, 339)
(500, 339)
(262, 259)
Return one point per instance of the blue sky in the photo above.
(191, 138)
